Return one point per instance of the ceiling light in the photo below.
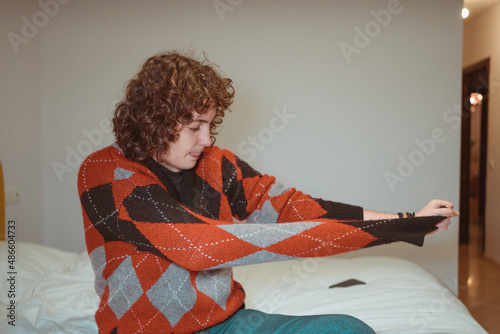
(465, 13)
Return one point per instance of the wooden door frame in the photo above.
(473, 82)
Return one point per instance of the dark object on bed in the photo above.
(346, 283)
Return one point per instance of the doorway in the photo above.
(473, 153)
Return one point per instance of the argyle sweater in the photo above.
(163, 263)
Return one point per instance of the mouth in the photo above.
(195, 155)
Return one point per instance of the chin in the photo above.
(189, 165)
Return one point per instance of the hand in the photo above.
(438, 207)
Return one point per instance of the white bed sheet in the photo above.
(398, 296)
(55, 293)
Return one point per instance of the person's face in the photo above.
(184, 153)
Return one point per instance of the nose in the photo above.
(205, 139)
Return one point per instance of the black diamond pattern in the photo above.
(233, 188)
(151, 204)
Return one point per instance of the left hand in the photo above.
(438, 207)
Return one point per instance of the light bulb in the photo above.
(465, 13)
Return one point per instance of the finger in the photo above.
(443, 225)
(447, 212)
(441, 203)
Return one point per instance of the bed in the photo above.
(47, 290)
(54, 292)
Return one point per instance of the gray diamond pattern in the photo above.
(98, 261)
(266, 215)
(257, 257)
(216, 284)
(125, 288)
(265, 235)
(173, 295)
(122, 174)
(277, 189)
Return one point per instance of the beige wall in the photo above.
(482, 40)
(339, 98)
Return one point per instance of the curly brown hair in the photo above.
(163, 94)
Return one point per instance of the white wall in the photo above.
(482, 40)
(21, 149)
(352, 121)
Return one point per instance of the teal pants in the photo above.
(256, 322)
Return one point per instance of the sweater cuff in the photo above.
(411, 230)
(340, 211)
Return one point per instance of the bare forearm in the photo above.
(375, 215)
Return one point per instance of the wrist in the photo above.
(406, 214)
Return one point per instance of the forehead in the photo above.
(207, 116)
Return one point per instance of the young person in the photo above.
(167, 215)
